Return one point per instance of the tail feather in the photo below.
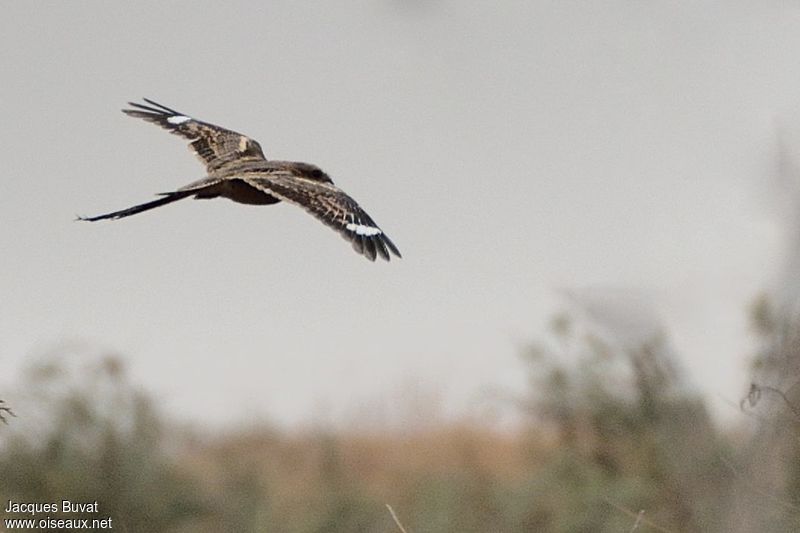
(166, 199)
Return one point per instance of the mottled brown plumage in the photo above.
(238, 170)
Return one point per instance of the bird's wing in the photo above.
(215, 146)
(330, 205)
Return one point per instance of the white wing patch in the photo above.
(178, 119)
(359, 229)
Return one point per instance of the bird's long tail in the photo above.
(166, 199)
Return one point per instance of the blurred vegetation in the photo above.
(630, 436)
(767, 468)
(94, 438)
(610, 429)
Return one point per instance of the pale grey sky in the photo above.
(510, 149)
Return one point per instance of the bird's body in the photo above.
(237, 169)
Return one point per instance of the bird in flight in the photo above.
(237, 169)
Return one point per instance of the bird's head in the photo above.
(312, 172)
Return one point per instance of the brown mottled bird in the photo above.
(237, 169)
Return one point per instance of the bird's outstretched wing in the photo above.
(5, 410)
(332, 206)
(215, 146)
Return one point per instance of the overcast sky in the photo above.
(510, 149)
